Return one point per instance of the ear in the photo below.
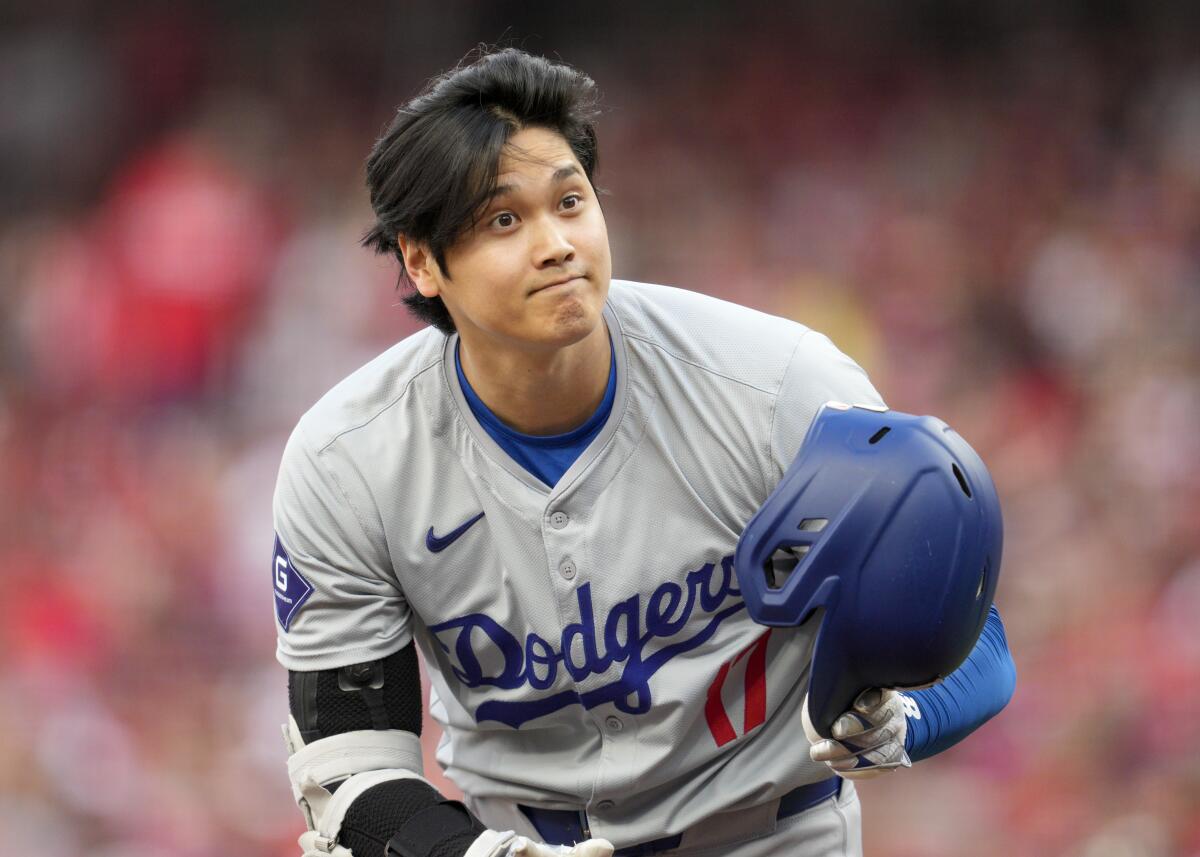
(421, 266)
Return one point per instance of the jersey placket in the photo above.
(564, 536)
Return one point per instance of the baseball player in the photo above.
(542, 492)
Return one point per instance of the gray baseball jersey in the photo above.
(587, 643)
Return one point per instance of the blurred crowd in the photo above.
(1000, 219)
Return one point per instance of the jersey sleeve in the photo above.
(337, 600)
(817, 373)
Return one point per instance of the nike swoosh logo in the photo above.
(437, 544)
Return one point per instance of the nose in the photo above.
(553, 246)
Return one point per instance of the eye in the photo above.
(504, 219)
(571, 201)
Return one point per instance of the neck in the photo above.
(540, 392)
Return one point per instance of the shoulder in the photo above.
(375, 388)
(368, 424)
(726, 339)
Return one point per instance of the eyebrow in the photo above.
(561, 174)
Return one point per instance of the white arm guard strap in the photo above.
(361, 759)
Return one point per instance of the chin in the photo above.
(573, 314)
(572, 322)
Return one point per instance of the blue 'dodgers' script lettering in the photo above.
(588, 648)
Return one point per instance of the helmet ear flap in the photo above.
(830, 673)
(890, 523)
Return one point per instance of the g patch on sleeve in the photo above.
(291, 589)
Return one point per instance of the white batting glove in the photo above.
(490, 843)
(867, 741)
(493, 843)
(591, 848)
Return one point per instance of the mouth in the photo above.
(565, 281)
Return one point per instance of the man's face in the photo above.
(534, 271)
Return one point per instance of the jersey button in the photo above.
(559, 520)
(567, 569)
(613, 723)
(605, 805)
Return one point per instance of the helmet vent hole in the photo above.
(982, 581)
(781, 564)
(813, 525)
(878, 436)
(962, 480)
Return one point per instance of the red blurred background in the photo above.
(994, 207)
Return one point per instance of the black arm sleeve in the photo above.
(383, 694)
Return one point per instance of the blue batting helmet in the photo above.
(888, 526)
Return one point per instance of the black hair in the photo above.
(436, 166)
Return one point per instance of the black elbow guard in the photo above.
(383, 694)
(398, 816)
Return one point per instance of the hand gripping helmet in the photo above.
(888, 526)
